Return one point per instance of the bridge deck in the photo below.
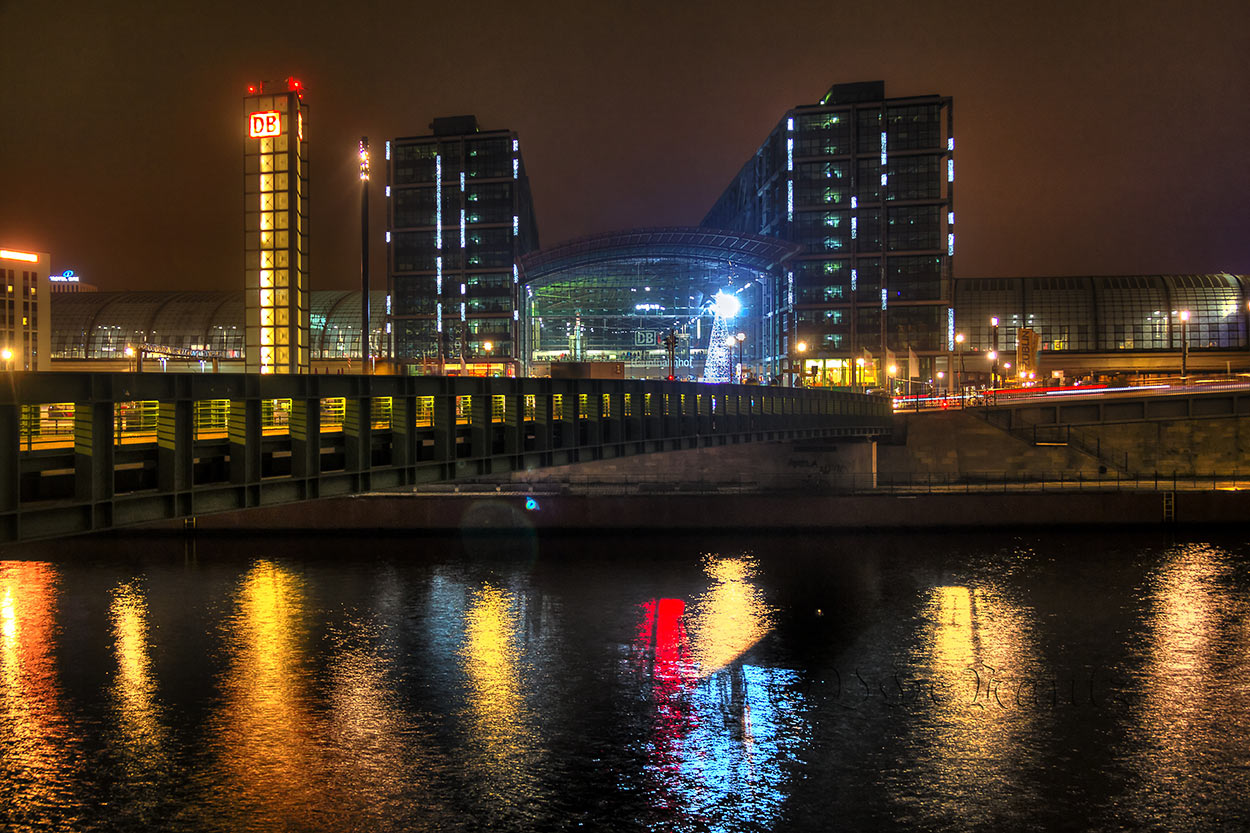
(90, 451)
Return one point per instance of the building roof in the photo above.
(691, 243)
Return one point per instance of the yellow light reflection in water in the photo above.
(38, 763)
(1195, 705)
(730, 617)
(491, 661)
(275, 771)
(134, 689)
(976, 694)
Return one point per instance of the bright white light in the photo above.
(726, 306)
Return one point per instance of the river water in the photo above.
(770, 682)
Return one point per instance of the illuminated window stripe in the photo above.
(388, 150)
(790, 154)
(884, 296)
(462, 228)
(438, 201)
(950, 243)
(854, 227)
(438, 275)
(950, 170)
(854, 278)
(516, 167)
(438, 316)
(28, 257)
(516, 225)
(950, 328)
(790, 199)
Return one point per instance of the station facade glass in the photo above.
(614, 298)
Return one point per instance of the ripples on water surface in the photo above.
(788, 683)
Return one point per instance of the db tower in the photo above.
(275, 198)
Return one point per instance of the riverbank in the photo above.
(502, 511)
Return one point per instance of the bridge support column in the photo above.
(480, 408)
(513, 426)
(358, 438)
(403, 435)
(592, 424)
(542, 421)
(175, 461)
(305, 429)
(10, 463)
(614, 425)
(94, 425)
(445, 430)
(245, 441)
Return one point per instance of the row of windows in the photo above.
(414, 251)
(483, 159)
(483, 203)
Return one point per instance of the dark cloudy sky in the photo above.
(1094, 137)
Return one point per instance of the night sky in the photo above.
(1092, 137)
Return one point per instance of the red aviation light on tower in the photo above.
(293, 85)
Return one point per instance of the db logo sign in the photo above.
(260, 125)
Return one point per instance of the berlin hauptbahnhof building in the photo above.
(836, 240)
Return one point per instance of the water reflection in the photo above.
(722, 731)
(40, 750)
(274, 769)
(503, 745)
(976, 695)
(134, 688)
(1195, 706)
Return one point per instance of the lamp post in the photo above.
(993, 357)
(364, 253)
(1184, 347)
(487, 346)
(891, 371)
(7, 355)
(740, 337)
(801, 347)
(959, 348)
(994, 350)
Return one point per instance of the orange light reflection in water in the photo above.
(274, 770)
(1190, 720)
(40, 760)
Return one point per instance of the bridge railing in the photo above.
(87, 451)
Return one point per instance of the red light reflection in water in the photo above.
(662, 650)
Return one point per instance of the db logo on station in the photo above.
(260, 125)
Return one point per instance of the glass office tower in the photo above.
(275, 249)
(459, 217)
(865, 185)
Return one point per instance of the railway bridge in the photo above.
(81, 452)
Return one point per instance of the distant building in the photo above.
(865, 185)
(275, 238)
(25, 313)
(68, 282)
(459, 218)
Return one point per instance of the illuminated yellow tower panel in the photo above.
(275, 198)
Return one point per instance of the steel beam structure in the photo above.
(90, 451)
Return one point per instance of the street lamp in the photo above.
(740, 337)
(1184, 347)
(959, 348)
(892, 371)
(801, 347)
(7, 355)
(993, 357)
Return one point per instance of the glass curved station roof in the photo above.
(100, 325)
(613, 296)
(1105, 314)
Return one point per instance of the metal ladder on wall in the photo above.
(1169, 507)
